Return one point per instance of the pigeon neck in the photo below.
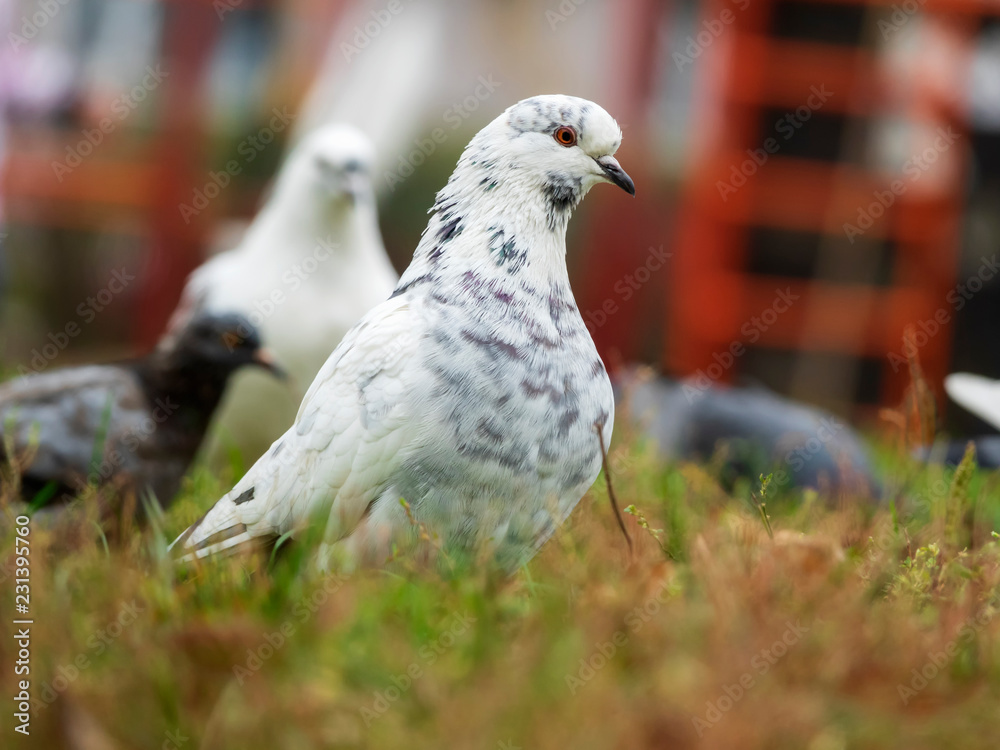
(193, 389)
(505, 227)
(360, 227)
(344, 225)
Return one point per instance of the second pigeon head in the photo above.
(335, 161)
(220, 342)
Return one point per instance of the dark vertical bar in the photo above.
(189, 32)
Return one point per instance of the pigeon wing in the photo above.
(347, 441)
(64, 419)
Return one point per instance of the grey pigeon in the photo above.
(475, 393)
(758, 432)
(951, 452)
(979, 396)
(133, 426)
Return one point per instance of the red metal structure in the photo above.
(762, 66)
(714, 294)
(134, 182)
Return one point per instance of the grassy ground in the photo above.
(853, 627)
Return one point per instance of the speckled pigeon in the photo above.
(475, 392)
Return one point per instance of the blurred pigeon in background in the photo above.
(131, 427)
(978, 395)
(757, 432)
(981, 397)
(308, 268)
(951, 452)
(435, 64)
(475, 392)
(386, 88)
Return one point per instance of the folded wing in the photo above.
(348, 440)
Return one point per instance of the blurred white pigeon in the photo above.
(979, 395)
(308, 268)
(475, 392)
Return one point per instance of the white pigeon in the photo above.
(475, 392)
(310, 265)
(979, 395)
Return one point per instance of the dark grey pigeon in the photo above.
(950, 452)
(129, 427)
(756, 430)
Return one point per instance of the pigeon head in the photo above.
(334, 161)
(510, 198)
(567, 144)
(536, 161)
(221, 343)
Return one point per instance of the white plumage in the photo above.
(977, 394)
(474, 391)
(310, 265)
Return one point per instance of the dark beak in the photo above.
(614, 172)
(264, 358)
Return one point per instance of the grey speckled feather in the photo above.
(474, 391)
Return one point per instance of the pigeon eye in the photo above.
(231, 340)
(566, 136)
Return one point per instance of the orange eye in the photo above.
(566, 136)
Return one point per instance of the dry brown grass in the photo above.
(578, 650)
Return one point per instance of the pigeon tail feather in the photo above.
(221, 531)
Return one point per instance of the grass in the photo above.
(735, 624)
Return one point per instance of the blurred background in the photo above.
(813, 177)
